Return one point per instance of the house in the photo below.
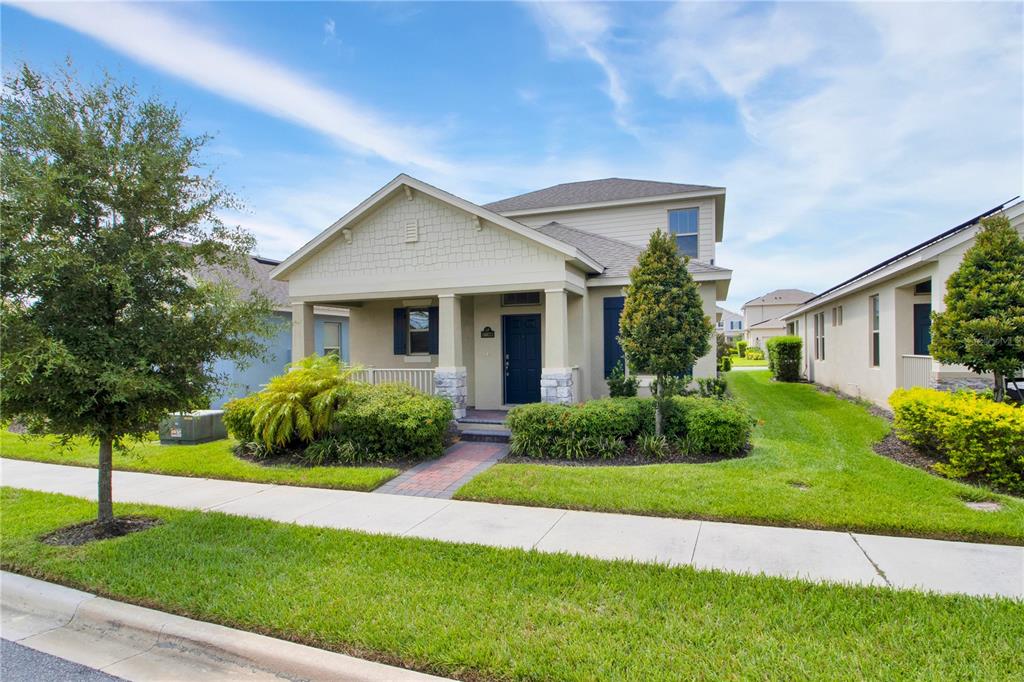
(512, 302)
(330, 330)
(869, 334)
(762, 316)
(729, 323)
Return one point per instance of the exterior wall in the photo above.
(243, 381)
(754, 313)
(635, 224)
(758, 336)
(450, 252)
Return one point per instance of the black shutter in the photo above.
(612, 350)
(401, 326)
(433, 337)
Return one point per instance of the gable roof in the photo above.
(772, 323)
(781, 297)
(255, 279)
(595, 192)
(403, 180)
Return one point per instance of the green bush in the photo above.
(725, 363)
(741, 348)
(620, 385)
(238, 416)
(394, 421)
(709, 426)
(784, 357)
(711, 387)
(755, 354)
(974, 436)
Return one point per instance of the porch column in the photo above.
(303, 342)
(556, 377)
(450, 375)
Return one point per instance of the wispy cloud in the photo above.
(176, 47)
(330, 31)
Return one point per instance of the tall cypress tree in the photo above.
(663, 329)
(983, 324)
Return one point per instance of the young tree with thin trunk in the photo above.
(107, 217)
(663, 329)
(983, 324)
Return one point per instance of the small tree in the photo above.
(663, 329)
(983, 324)
(107, 218)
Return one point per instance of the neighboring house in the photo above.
(762, 316)
(330, 330)
(729, 323)
(514, 302)
(870, 334)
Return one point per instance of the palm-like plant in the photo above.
(301, 403)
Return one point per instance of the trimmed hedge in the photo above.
(755, 353)
(238, 416)
(975, 436)
(599, 429)
(393, 421)
(784, 357)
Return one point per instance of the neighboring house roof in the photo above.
(595, 192)
(774, 323)
(848, 284)
(781, 297)
(254, 279)
(617, 257)
(412, 184)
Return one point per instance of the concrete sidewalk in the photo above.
(134, 643)
(827, 556)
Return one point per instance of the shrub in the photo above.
(972, 434)
(238, 416)
(711, 387)
(620, 385)
(755, 354)
(784, 357)
(725, 363)
(332, 450)
(653, 446)
(741, 348)
(711, 426)
(394, 421)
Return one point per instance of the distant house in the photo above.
(869, 334)
(516, 301)
(330, 329)
(762, 316)
(729, 323)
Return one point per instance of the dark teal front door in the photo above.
(521, 345)
(922, 328)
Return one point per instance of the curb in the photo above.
(137, 643)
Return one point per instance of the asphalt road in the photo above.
(21, 664)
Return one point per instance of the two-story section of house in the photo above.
(729, 324)
(505, 303)
(762, 316)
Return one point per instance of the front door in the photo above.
(922, 328)
(521, 347)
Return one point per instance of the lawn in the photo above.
(208, 460)
(812, 466)
(485, 613)
(747, 362)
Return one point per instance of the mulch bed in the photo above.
(89, 531)
(904, 453)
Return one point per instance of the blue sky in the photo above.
(844, 132)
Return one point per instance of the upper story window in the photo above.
(419, 331)
(682, 225)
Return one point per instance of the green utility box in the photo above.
(190, 428)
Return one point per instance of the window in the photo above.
(819, 336)
(876, 342)
(835, 316)
(923, 288)
(793, 328)
(840, 309)
(521, 298)
(332, 338)
(682, 225)
(419, 331)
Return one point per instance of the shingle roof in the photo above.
(256, 279)
(769, 324)
(592, 191)
(617, 257)
(782, 296)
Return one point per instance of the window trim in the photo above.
(874, 331)
(409, 330)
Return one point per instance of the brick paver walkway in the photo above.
(442, 477)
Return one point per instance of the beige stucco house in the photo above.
(762, 316)
(511, 302)
(870, 334)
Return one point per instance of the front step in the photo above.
(472, 435)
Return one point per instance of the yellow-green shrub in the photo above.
(972, 434)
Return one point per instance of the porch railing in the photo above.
(421, 379)
(917, 370)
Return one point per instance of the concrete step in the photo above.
(481, 425)
(484, 435)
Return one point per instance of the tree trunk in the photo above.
(105, 514)
(999, 388)
(657, 407)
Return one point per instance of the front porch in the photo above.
(481, 349)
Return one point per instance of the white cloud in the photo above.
(330, 31)
(160, 40)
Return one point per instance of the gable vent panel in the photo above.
(412, 231)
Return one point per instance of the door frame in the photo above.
(501, 360)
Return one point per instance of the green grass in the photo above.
(805, 437)
(485, 613)
(747, 362)
(208, 460)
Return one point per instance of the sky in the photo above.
(843, 132)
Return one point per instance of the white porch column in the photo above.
(450, 375)
(556, 374)
(303, 342)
